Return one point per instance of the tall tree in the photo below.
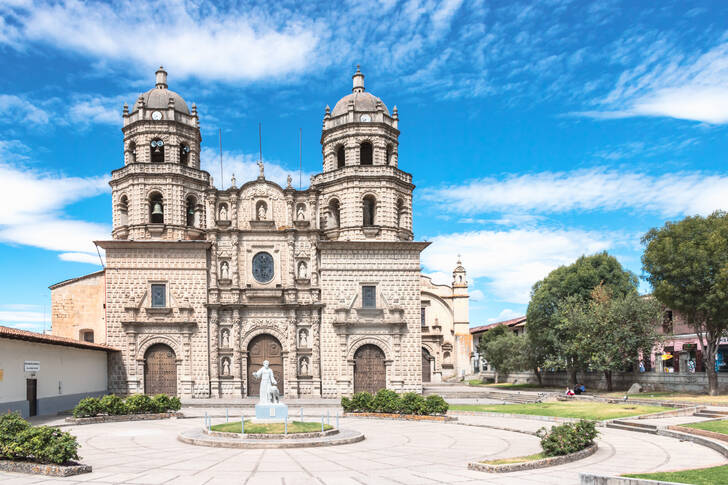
(687, 264)
(505, 351)
(546, 329)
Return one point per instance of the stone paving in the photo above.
(147, 452)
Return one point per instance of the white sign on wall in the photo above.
(32, 366)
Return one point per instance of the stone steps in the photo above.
(629, 426)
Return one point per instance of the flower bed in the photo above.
(112, 405)
(37, 449)
(409, 417)
(124, 417)
(390, 403)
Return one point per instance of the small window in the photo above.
(340, 157)
(159, 295)
(190, 211)
(88, 336)
(369, 296)
(365, 153)
(124, 211)
(157, 147)
(369, 212)
(334, 216)
(400, 212)
(390, 150)
(156, 208)
(423, 316)
(132, 152)
(184, 154)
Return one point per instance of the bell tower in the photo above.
(364, 194)
(159, 193)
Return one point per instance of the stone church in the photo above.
(201, 285)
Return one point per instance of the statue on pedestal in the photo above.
(268, 390)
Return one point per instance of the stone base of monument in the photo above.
(270, 413)
(217, 439)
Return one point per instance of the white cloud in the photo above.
(19, 109)
(510, 262)
(99, 110)
(32, 215)
(674, 194)
(85, 257)
(505, 314)
(20, 316)
(476, 295)
(245, 167)
(190, 39)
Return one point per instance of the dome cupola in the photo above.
(160, 97)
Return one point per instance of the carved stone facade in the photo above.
(214, 281)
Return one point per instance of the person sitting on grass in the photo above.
(579, 389)
(569, 392)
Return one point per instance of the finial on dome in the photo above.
(358, 84)
(161, 78)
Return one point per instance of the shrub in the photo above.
(113, 405)
(386, 401)
(175, 404)
(139, 404)
(346, 404)
(412, 403)
(436, 405)
(567, 438)
(161, 403)
(362, 402)
(45, 444)
(87, 407)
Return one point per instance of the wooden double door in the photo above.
(261, 348)
(160, 370)
(370, 373)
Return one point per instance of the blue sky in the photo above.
(535, 131)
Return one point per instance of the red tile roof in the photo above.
(14, 333)
(509, 323)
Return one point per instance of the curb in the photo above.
(122, 418)
(401, 417)
(532, 465)
(270, 436)
(245, 443)
(594, 479)
(43, 469)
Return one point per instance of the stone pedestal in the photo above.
(271, 412)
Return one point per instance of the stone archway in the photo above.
(426, 373)
(160, 370)
(370, 372)
(264, 347)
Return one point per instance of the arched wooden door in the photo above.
(160, 370)
(426, 375)
(264, 347)
(370, 374)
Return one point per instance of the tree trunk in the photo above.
(710, 348)
(572, 376)
(538, 376)
(496, 376)
(608, 377)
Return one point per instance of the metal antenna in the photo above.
(300, 157)
(222, 180)
(260, 140)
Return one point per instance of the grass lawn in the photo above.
(574, 409)
(517, 459)
(671, 396)
(715, 426)
(270, 428)
(702, 476)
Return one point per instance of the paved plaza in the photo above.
(394, 452)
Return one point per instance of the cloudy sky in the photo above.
(535, 131)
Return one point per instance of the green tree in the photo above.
(687, 266)
(547, 332)
(504, 350)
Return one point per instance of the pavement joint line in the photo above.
(255, 468)
(290, 456)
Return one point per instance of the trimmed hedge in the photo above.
(567, 438)
(135, 404)
(386, 401)
(43, 444)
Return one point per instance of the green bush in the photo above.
(161, 403)
(386, 401)
(87, 407)
(44, 444)
(140, 404)
(436, 405)
(175, 404)
(412, 403)
(362, 402)
(567, 438)
(113, 405)
(346, 404)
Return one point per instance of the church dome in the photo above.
(363, 101)
(158, 97)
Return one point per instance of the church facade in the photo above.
(202, 285)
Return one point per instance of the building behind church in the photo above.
(201, 284)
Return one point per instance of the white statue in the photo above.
(262, 211)
(300, 214)
(302, 271)
(268, 391)
(225, 367)
(304, 366)
(289, 180)
(223, 213)
(260, 166)
(225, 339)
(224, 270)
(303, 339)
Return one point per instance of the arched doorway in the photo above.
(264, 347)
(160, 370)
(426, 374)
(370, 373)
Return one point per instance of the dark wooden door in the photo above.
(426, 376)
(370, 373)
(31, 394)
(160, 371)
(264, 347)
